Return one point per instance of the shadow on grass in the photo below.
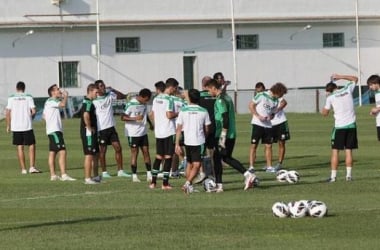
(65, 222)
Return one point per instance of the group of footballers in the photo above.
(199, 125)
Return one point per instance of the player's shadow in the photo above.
(66, 222)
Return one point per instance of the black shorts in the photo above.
(194, 153)
(261, 133)
(138, 141)
(89, 143)
(210, 141)
(281, 132)
(56, 142)
(345, 138)
(24, 138)
(165, 146)
(108, 136)
(378, 133)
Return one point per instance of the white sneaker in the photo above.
(34, 170)
(135, 178)
(219, 188)
(54, 178)
(90, 182)
(65, 177)
(24, 171)
(106, 175)
(122, 173)
(199, 178)
(270, 169)
(251, 169)
(249, 178)
(149, 176)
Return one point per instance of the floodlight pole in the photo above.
(97, 39)
(234, 53)
(358, 50)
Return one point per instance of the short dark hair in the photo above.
(145, 93)
(20, 86)
(330, 87)
(171, 82)
(98, 82)
(194, 95)
(218, 75)
(51, 88)
(259, 85)
(373, 79)
(160, 86)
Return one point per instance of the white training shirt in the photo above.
(342, 102)
(52, 115)
(280, 116)
(135, 128)
(377, 100)
(266, 105)
(20, 105)
(193, 118)
(163, 127)
(104, 110)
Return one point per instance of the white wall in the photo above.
(168, 28)
(298, 63)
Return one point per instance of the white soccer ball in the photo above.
(209, 185)
(297, 209)
(293, 176)
(281, 175)
(318, 209)
(307, 203)
(280, 209)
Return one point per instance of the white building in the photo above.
(144, 41)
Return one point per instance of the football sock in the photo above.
(348, 171)
(333, 174)
(148, 166)
(134, 169)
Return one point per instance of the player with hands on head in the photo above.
(344, 134)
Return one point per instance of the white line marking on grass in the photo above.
(61, 195)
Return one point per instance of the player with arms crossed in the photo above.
(89, 136)
(164, 130)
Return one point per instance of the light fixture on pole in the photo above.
(307, 27)
(30, 32)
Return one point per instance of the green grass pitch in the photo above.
(118, 214)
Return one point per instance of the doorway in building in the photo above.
(188, 71)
